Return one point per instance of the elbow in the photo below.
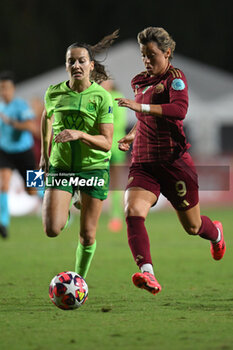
(107, 147)
(181, 115)
(177, 112)
(181, 111)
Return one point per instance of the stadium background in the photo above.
(34, 37)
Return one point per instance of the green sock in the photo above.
(84, 255)
(116, 204)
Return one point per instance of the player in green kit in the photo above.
(79, 111)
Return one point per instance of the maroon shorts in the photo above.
(177, 180)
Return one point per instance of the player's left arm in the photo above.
(178, 96)
(176, 108)
(102, 142)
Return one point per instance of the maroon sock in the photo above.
(138, 240)
(208, 230)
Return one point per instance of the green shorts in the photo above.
(93, 182)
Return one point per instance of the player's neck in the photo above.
(164, 70)
(79, 86)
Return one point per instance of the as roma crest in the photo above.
(159, 88)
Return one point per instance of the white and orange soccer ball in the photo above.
(68, 290)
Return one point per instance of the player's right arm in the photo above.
(125, 142)
(46, 133)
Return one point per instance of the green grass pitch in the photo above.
(193, 311)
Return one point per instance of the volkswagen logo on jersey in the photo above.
(74, 121)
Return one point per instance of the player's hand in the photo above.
(44, 163)
(125, 142)
(68, 135)
(125, 102)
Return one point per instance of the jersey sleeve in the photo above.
(48, 104)
(178, 95)
(106, 109)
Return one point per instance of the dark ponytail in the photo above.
(99, 73)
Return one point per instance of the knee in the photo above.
(52, 225)
(192, 230)
(52, 230)
(132, 210)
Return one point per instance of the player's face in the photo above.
(7, 90)
(78, 64)
(154, 59)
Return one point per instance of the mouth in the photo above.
(77, 74)
(149, 69)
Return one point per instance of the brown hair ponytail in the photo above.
(99, 73)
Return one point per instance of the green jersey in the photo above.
(82, 111)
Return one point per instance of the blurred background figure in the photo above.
(17, 127)
(118, 159)
(37, 105)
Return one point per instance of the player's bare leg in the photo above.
(138, 202)
(191, 219)
(5, 177)
(55, 211)
(137, 205)
(195, 224)
(90, 212)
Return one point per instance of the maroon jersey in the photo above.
(160, 138)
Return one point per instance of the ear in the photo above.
(167, 54)
(92, 66)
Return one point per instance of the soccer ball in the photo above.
(68, 290)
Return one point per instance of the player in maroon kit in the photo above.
(160, 161)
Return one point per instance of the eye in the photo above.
(82, 60)
(151, 55)
(71, 61)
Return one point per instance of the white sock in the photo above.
(147, 268)
(219, 236)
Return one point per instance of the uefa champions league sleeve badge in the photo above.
(178, 84)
